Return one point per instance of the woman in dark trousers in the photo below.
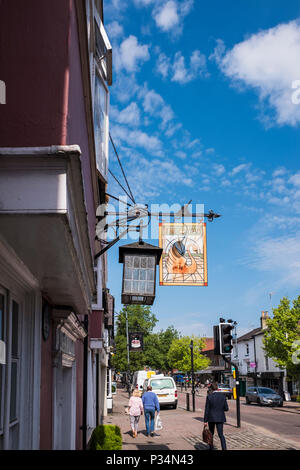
(215, 407)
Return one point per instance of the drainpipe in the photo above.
(255, 378)
(85, 384)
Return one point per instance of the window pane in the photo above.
(129, 261)
(151, 261)
(150, 287)
(15, 329)
(150, 275)
(100, 124)
(128, 274)
(127, 286)
(142, 287)
(13, 392)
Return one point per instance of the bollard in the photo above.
(187, 402)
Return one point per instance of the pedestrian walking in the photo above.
(139, 391)
(151, 404)
(214, 415)
(135, 406)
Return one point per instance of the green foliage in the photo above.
(106, 437)
(282, 333)
(156, 345)
(179, 354)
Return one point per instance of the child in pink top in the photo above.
(135, 411)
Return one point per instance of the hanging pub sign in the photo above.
(136, 342)
(184, 257)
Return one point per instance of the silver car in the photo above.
(263, 396)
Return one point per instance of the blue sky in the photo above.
(203, 108)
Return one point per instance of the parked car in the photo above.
(224, 388)
(165, 389)
(263, 396)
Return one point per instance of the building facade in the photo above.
(55, 60)
(255, 367)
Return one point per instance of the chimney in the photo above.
(263, 320)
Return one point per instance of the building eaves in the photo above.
(249, 335)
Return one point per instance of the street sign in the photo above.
(184, 258)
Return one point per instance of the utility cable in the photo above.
(132, 198)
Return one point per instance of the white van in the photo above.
(140, 376)
(165, 389)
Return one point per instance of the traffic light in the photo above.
(225, 338)
(216, 340)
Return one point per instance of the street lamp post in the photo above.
(127, 340)
(192, 370)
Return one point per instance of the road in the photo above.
(274, 420)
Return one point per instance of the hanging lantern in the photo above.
(139, 272)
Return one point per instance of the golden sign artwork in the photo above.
(184, 257)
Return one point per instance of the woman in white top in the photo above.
(135, 411)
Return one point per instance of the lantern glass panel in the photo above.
(139, 274)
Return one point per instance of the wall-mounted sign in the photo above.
(184, 258)
(136, 341)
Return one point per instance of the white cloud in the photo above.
(143, 3)
(169, 15)
(154, 105)
(172, 128)
(219, 169)
(178, 70)
(137, 138)
(279, 255)
(237, 169)
(268, 62)
(129, 115)
(163, 65)
(180, 154)
(131, 54)
(295, 179)
(114, 30)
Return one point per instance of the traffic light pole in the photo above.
(237, 381)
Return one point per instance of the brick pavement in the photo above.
(174, 436)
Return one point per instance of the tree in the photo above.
(179, 355)
(281, 339)
(141, 319)
(156, 345)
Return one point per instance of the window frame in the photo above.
(7, 424)
(99, 71)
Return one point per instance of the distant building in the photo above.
(255, 367)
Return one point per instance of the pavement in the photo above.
(182, 430)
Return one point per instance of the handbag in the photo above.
(158, 423)
(207, 436)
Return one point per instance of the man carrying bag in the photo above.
(214, 416)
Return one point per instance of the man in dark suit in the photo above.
(215, 407)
